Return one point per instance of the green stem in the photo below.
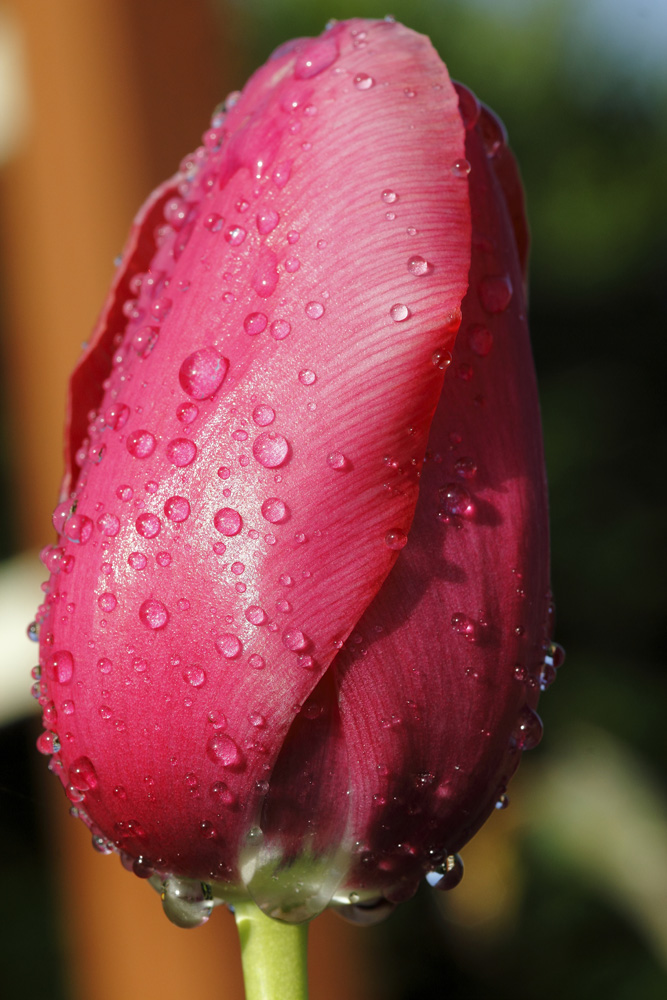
(273, 954)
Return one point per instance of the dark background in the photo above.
(566, 891)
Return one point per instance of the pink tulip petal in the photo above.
(229, 613)
(440, 678)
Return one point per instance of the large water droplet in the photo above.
(255, 615)
(363, 81)
(254, 323)
(267, 220)
(141, 444)
(396, 539)
(60, 666)
(222, 749)
(78, 529)
(177, 509)
(228, 645)
(316, 56)
(419, 266)
(153, 614)
(186, 903)
(528, 730)
(314, 310)
(399, 312)
(280, 329)
(148, 525)
(83, 775)
(203, 372)
(181, 452)
(228, 521)
(275, 510)
(270, 449)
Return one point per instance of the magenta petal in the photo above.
(278, 268)
(439, 682)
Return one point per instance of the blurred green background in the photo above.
(577, 900)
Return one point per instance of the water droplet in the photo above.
(222, 749)
(60, 666)
(222, 793)
(314, 310)
(117, 416)
(256, 661)
(228, 521)
(495, 292)
(502, 801)
(275, 510)
(104, 665)
(255, 615)
(213, 222)
(307, 377)
(267, 220)
(399, 312)
(455, 501)
(280, 329)
(108, 524)
(125, 493)
(148, 525)
(163, 559)
(177, 509)
(363, 81)
(186, 903)
(141, 444)
(294, 639)
(336, 460)
(419, 266)
(254, 323)
(316, 56)
(263, 415)
(83, 775)
(153, 614)
(107, 601)
(228, 645)
(270, 449)
(463, 625)
(203, 372)
(235, 235)
(395, 539)
(528, 730)
(461, 168)
(137, 560)
(389, 197)
(480, 340)
(78, 529)
(181, 452)
(195, 676)
(448, 875)
(442, 359)
(145, 340)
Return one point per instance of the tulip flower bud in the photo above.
(297, 619)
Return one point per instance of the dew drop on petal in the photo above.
(107, 602)
(222, 749)
(270, 449)
(78, 529)
(177, 509)
(203, 372)
(60, 666)
(528, 730)
(314, 310)
(267, 220)
(153, 614)
(228, 645)
(395, 539)
(389, 197)
(195, 676)
(254, 323)
(141, 444)
(495, 292)
(263, 415)
(137, 560)
(315, 57)
(274, 510)
(255, 615)
(337, 460)
(442, 359)
(280, 329)
(83, 775)
(256, 661)
(148, 525)
(294, 639)
(228, 521)
(461, 168)
(108, 524)
(419, 266)
(363, 81)
(181, 452)
(307, 377)
(399, 312)
(455, 500)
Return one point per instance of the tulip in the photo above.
(298, 613)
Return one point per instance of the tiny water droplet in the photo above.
(181, 452)
(254, 323)
(314, 310)
(141, 444)
(363, 81)
(153, 614)
(228, 521)
(228, 645)
(275, 510)
(461, 168)
(395, 539)
(419, 266)
(399, 312)
(270, 449)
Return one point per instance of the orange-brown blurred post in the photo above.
(119, 91)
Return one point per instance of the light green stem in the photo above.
(274, 955)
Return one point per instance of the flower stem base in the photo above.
(274, 955)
